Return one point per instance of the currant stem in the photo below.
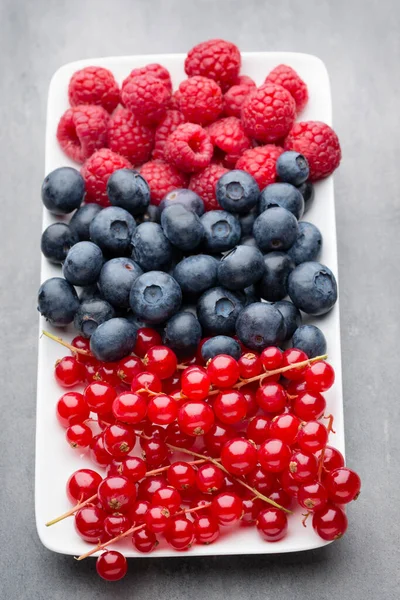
(162, 469)
(63, 343)
(329, 429)
(70, 512)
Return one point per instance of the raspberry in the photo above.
(235, 96)
(94, 85)
(130, 138)
(245, 80)
(82, 130)
(96, 171)
(319, 144)
(157, 70)
(268, 113)
(173, 103)
(189, 148)
(228, 136)
(169, 123)
(162, 178)
(261, 163)
(200, 100)
(146, 96)
(204, 183)
(215, 59)
(288, 78)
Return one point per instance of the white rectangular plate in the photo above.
(55, 461)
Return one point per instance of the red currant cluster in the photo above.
(251, 428)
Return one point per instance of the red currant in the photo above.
(209, 479)
(157, 519)
(285, 428)
(111, 565)
(250, 365)
(223, 371)
(82, 485)
(309, 406)
(274, 455)
(162, 409)
(343, 485)
(68, 372)
(116, 524)
(131, 467)
(152, 432)
(116, 494)
(239, 456)
(172, 385)
(161, 361)
(79, 435)
(128, 368)
(98, 453)
(271, 397)
(263, 481)
(130, 407)
(251, 509)
(145, 340)
(181, 475)
(155, 452)
(293, 388)
(289, 485)
(227, 508)
(312, 496)
(90, 368)
(206, 529)
(312, 437)
(195, 383)
(138, 512)
(71, 408)
(82, 343)
(195, 418)
(272, 524)
(230, 406)
(144, 540)
(168, 497)
(303, 467)
(281, 497)
(216, 438)
(250, 397)
(333, 459)
(176, 437)
(330, 522)
(320, 376)
(232, 486)
(119, 440)
(99, 397)
(146, 381)
(89, 523)
(180, 533)
(271, 358)
(292, 356)
(258, 429)
(108, 372)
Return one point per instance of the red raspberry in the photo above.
(245, 80)
(146, 96)
(235, 96)
(189, 148)
(173, 103)
(82, 130)
(216, 59)
(268, 113)
(169, 123)
(204, 183)
(130, 138)
(228, 136)
(288, 78)
(96, 171)
(157, 70)
(200, 100)
(162, 178)
(261, 163)
(94, 85)
(319, 144)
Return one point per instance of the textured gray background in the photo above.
(359, 42)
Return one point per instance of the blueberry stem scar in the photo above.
(59, 340)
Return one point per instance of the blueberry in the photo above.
(155, 297)
(310, 339)
(222, 231)
(57, 301)
(112, 230)
(237, 191)
(182, 227)
(312, 288)
(307, 245)
(89, 292)
(56, 240)
(292, 167)
(113, 339)
(63, 190)
(248, 241)
(291, 316)
(260, 325)
(139, 323)
(273, 284)
(240, 268)
(275, 229)
(251, 295)
(246, 223)
(196, 274)
(183, 333)
(83, 264)
(220, 344)
(218, 309)
(116, 279)
(91, 314)
(308, 192)
(128, 190)
(283, 195)
(190, 200)
(81, 219)
(150, 248)
(152, 214)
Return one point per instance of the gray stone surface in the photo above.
(359, 43)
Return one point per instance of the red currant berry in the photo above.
(181, 475)
(250, 397)
(251, 510)
(146, 339)
(168, 497)
(98, 453)
(152, 432)
(206, 529)
(227, 508)
(330, 523)
(309, 406)
(281, 497)
(233, 487)
(180, 533)
(258, 429)
(99, 397)
(131, 467)
(116, 494)
(312, 437)
(303, 467)
(162, 410)
(90, 368)
(320, 376)
(111, 565)
(285, 428)
(250, 365)
(274, 455)
(292, 356)
(108, 372)
(176, 437)
(217, 437)
(271, 358)
(343, 485)
(263, 481)
(289, 485)
(146, 381)
(294, 388)
(89, 523)
(82, 485)
(119, 440)
(195, 418)
(271, 397)
(195, 383)
(68, 372)
(272, 524)
(223, 371)
(128, 368)
(71, 408)
(138, 511)
(172, 385)
(312, 496)
(130, 408)
(209, 479)
(79, 435)
(157, 519)
(161, 361)
(104, 421)
(333, 459)
(230, 406)
(144, 541)
(239, 456)
(116, 524)
(155, 452)
(82, 343)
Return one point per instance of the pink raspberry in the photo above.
(288, 78)
(82, 130)
(162, 178)
(216, 59)
(96, 171)
(94, 85)
(268, 113)
(228, 136)
(261, 163)
(173, 104)
(235, 96)
(157, 70)
(146, 96)
(189, 148)
(204, 183)
(167, 125)
(245, 80)
(130, 138)
(200, 100)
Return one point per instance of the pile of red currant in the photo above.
(230, 442)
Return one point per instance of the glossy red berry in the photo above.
(271, 397)
(271, 358)
(181, 475)
(206, 529)
(281, 497)
(116, 524)
(71, 408)
(333, 459)
(263, 481)
(89, 523)
(180, 533)
(272, 524)
(343, 485)
(250, 397)
(320, 376)
(230, 406)
(99, 397)
(68, 372)
(155, 452)
(330, 523)
(129, 407)
(195, 383)
(116, 494)
(303, 467)
(79, 435)
(82, 343)
(309, 406)
(223, 371)
(161, 361)
(239, 456)
(172, 384)
(312, 496)
(98, 453)
(90, 368)
(250, 365)
(144, 541)
(162, 410)
(138, 511)
(176, 437)
(258, 429)
(217, 437)
(146, 381)
(146, 339)
(274, 455)
(152, 432)
(251, 509)
(119, 440)
(209, 479)
(111, 565)
(128, 368)
(227, 508)
(293, 388)
(108, 372)
(157, 519)
(82, 484)
(195, 418)
(285, 427)
(312, 437)
(168, 497)
(292, 356)
(131, 467)
(289, 485)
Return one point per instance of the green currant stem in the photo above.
(71, 511)
(63, 343)
(321, 458)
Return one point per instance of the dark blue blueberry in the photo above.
(139, 323)
(218, 309)
(310, 339)
(291, 316)
(182, 227)
(273, 284)
(221, 230)
(155, 297)
(57, 301)
(81, 219)
(196, 274)
(260, 325)
(275, 229)
(152, 214)
(248, 241)
(116, 279)
(150, 248)
(183, 333)
(91, 314)
(240, 268)
(128, 190)
(112, 230)
(307, 245)
(89, 292)
(308, 192)
(246, 223)
(63, 190)
(312, 288)
(237, 191)
(220, 344)
(56, 241)
(251, 295)
(292, 167)
(113, 339)
(283, 195)
(83, 264)
(190, 200)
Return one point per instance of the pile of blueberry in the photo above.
(188, 272)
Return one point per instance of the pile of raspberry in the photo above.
(217, 120)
